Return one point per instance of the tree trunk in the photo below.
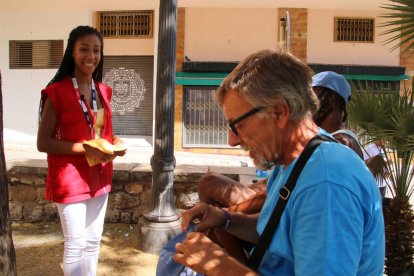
(398, 237)
(7, 254)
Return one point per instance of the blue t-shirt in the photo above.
(332, 223)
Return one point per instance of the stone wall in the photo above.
(129, 198)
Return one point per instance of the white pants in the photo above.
(82, 226)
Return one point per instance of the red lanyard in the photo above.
(84, 107)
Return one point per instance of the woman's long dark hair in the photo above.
(67, 66)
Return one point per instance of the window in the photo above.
(204, 121)
(35, 54)
(136, 24)
(354, 29)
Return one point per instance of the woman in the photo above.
(75, 109)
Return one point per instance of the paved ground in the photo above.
(39, 249)
(39, 246)
(46, 244)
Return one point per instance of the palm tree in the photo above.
(401, 20)
(388, 118)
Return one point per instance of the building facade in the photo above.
(212, 36)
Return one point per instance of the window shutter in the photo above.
(131, 78)
(35, 54)
(354, 29)
(136, 24)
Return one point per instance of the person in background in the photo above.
(334, 93)
(75, 108)
(374, 158)
(271, 91)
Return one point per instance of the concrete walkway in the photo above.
(19, 147)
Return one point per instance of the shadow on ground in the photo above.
(39, 250)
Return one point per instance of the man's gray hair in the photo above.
(268, 78)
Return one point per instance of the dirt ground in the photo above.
(39, 250)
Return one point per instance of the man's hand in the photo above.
(199, 253)
(210, 217)
(204, 256)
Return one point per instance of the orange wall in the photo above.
(298, 31)
(178, 119)
(407, 61)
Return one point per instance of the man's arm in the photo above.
(252, 205)
(222, 191)
(241, 225)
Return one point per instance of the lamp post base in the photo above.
(154, 235)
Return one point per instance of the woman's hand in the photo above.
(118, 142)
(97, 154)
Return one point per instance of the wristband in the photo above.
(227, 218)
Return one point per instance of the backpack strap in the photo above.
(258, 252)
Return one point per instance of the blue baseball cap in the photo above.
(335, 82)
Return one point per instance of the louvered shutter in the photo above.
(131, 78)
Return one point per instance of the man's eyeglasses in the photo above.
(232, 124)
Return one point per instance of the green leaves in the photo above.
(401, 19)
(388, 119)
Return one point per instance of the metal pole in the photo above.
(162, 208)
(161, 222)
(287, 31)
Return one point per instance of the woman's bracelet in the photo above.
(227, 218)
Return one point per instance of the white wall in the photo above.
(228, 34)
(222, 34)
(21, 87)
(322, 48)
